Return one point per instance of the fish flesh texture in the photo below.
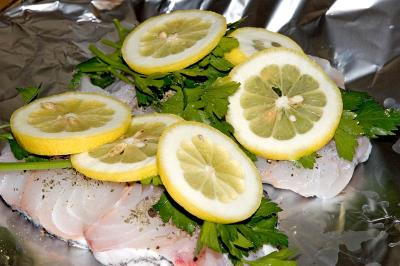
(133, 224)
(328, 178)
(114, 220)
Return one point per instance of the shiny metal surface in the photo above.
(41, 41)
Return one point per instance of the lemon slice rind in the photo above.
(39, 142)
(148, 65)
(302, 144)
(246, 37)
(172, 175)
(123, 172)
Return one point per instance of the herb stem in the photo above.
(120, 76)
(111, 44)
(122, 32)
(18, 166)
(4, 126)
(102, 56)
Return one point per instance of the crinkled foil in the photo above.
(42, 41)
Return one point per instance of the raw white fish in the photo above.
(114, 220)
(132, 226)
(64, 202)
(328, 178)
(11, 183)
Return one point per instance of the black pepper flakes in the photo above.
(152, 213)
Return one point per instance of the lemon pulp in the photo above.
(207, 173)
(286, 106)
(207, 167)
(129, 158)
(69, 123)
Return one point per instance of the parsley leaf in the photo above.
(102, 79)
(373, 118)
(202, 104)
(377, 121)
(307, 161)
(238, 239)
(225, 45)
(362, 115)
(19, 152)
(152, 180)
(174, 104)
(216, 96)
(276, 258)
(29, 93)
(353, 99)
(208, 237)
(169, 210)
(241, 238)
(346, 135)
(220, 63)
(6, 136)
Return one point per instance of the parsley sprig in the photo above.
(238, 239)
(307, 161)
(362, 116)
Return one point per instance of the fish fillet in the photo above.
(114, 220)
(329, 177)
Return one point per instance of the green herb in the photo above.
(207, 104)
(239, 239)
(4, 126)
(377, 121)
(307, 161)
(6, 136)
(234, 25)
(152, 180)
(362, 115)
(19, 152)
(373, 118)
(32, 161)
(276, 258)
(35, 165)
(346, 135)
(29, 93)
(169, 210)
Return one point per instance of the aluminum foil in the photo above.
(42, 41)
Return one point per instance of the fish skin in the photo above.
(328, 178)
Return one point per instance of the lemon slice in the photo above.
(207, 173)
(69, 123)
(173, 41)
(252, 40)
(286, 106)
(130, 158)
